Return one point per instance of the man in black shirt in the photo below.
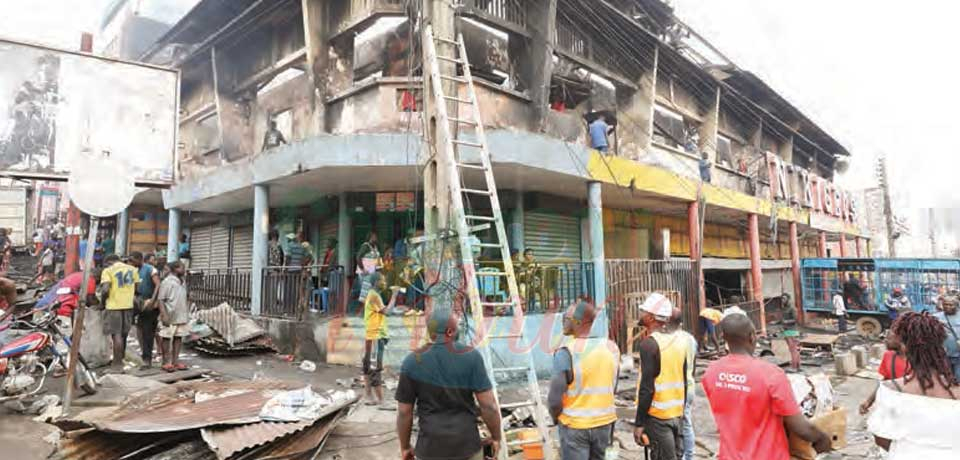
(442, 379)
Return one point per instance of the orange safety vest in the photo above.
(669, 393)
(589, 399)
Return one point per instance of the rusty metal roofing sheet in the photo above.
(98, 445)
(301, 444)
(227, 441)
(173, 407)
(185, 414)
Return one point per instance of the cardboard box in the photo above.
(833, 423)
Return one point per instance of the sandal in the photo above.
(168, 367)
(180, 367)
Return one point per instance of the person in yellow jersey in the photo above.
(662, 386)
(709, 319)
(581, 397)
(118, 285)
(376, 337)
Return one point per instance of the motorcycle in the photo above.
(32, 357)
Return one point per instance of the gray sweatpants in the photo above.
(588, 444)
(666, 438)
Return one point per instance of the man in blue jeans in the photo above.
(688, 435)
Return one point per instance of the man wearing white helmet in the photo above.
(662, 387)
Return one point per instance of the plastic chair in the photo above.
(316, 300)
(490, 285)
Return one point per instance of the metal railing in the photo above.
(543, 287)
(289, 292)
(210, 287)
(510, 11)
(629, 281)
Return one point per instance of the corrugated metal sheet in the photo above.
(98, 445)
(185, 414)
(241, 247)
(228, 441)
(553, 237)
(301, 444)
(233, 327)
(200, 247)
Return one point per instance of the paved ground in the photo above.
(368, 433)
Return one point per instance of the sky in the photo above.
(878, 75)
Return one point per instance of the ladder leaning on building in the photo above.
(449, 147)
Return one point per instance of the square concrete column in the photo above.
(756, 272)
(822, 245)
(173, 234)
(261, 228)
(795, 270)
(843, 246)
(516, 224)
(123, 221)
(595, 216)
(696, 251)
(344, 234)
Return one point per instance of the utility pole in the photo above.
(884, 182)
(933, 233)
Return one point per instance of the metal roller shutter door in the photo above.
(200, 247)
(220, 247)
(242, 247)
(553, 237)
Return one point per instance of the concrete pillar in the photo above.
(639, 107)
(869, 249)
(123, 223)
(843, 245)
(696, 251)
(859, 251)
(173, 234)
(756, 272)
(516, 224)
(261, 230)
(795, 268)
(541, 16)
(709, 130)
(595, 215)
(344, 235)
(822, 244)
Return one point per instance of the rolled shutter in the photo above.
(220, 247)
(242, 247)
(553, 237)
(200, 247)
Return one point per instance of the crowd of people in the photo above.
(752, 401)
(138, 292)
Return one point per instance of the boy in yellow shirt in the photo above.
(118, 285)
(375, 325)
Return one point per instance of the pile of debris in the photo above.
(208, 420)
(230, 334)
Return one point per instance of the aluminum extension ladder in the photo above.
(466, 224)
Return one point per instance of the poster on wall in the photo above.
(57, 107)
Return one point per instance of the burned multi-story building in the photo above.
(307, 114)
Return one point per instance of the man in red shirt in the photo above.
(751, 401)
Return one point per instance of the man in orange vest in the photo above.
(585, 373)
(662, 387)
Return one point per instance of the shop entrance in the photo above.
(721, 285)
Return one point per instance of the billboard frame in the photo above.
(176, 114)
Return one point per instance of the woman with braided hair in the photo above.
(911, 412)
